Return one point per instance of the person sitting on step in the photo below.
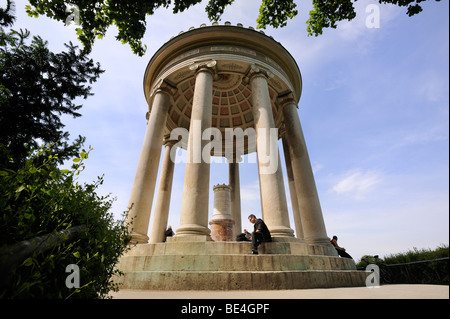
(260, 234)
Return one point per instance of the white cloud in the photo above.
(433, 134)
(250, 192)
(358, 183)
(370, 16)
(434, 87)
(387, 226)
(316, 167)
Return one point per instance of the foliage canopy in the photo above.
(48, 221)
(37, 86)
(39, 199)
(129, 16)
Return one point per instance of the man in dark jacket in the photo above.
(260, 234)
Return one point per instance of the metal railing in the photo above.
(432, 271)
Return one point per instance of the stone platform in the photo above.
(208, 265)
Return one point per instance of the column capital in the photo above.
(285, 99)
(167, 141)
(165, 87)
(259, 71)
(208, 65)
(282, 130)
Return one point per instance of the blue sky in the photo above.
(374, 111)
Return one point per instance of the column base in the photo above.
(137, 238)
(288, 240)
(192, 230)
(325, 242)
(318, 240)
(281, 231)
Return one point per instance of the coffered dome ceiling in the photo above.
(232, 105)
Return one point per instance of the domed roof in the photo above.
(235, 49)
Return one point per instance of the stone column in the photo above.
(162, 204)
(194, 204)
(292, 192)
(273, 196)
(142, 192)
(235, 194)
(305, 186)
(222, 222)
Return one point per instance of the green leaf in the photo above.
(76, 160)
(20, 189)
(77, 254)
(28, 262)
(33, 170)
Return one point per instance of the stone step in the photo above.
(241, 280)
(229, 248)
(206, 265)
(266, 262)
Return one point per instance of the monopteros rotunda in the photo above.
(233, 91)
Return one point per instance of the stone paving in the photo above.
(382, 292)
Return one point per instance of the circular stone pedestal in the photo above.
(222, 229)
(222, 224)
(208, 265)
